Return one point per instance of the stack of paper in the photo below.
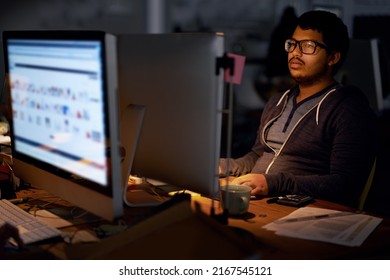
(5, 139)
(344, 228)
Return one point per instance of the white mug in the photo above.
(235, 198)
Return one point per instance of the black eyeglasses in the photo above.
(305, 46)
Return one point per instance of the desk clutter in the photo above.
(338, 227)
(178, 232)
(182, 228)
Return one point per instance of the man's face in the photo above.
(308, 68)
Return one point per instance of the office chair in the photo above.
(367, 187)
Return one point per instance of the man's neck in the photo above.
(306, 91)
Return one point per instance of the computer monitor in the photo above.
(174, 77)
(64, 125)
(362, 69)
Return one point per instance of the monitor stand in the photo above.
(144, 195)
(131, 126)
(130, 131)
(135, 195)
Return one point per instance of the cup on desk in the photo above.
(235, 198)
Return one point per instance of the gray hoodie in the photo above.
(328, 154)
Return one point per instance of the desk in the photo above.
(266, 243)
(376, 246)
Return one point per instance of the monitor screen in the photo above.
(174, 77)
(64, 132)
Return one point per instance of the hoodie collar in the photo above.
(325, 92)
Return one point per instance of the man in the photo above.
(319, 137)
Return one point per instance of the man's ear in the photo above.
(334, 58)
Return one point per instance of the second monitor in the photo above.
(174, 77)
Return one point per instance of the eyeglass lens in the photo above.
(305, 46)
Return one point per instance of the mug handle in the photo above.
(244, 202)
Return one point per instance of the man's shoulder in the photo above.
(353, 99)
(352, 93)
(350, 89)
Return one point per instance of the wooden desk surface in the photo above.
(270, 246)
(376, 246)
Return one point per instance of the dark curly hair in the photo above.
(333, 30)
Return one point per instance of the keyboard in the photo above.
(30, 228)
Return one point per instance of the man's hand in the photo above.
(257, 182)
(8, 231)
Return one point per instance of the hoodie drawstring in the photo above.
(319, 104)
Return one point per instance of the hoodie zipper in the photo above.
(292, 130)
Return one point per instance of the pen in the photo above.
(314, 217)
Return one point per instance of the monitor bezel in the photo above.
(113, 190)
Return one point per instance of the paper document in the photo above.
(344, 228)
(5, 139)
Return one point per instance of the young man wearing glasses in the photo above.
(319, 137)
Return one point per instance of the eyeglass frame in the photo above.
(299, 44)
